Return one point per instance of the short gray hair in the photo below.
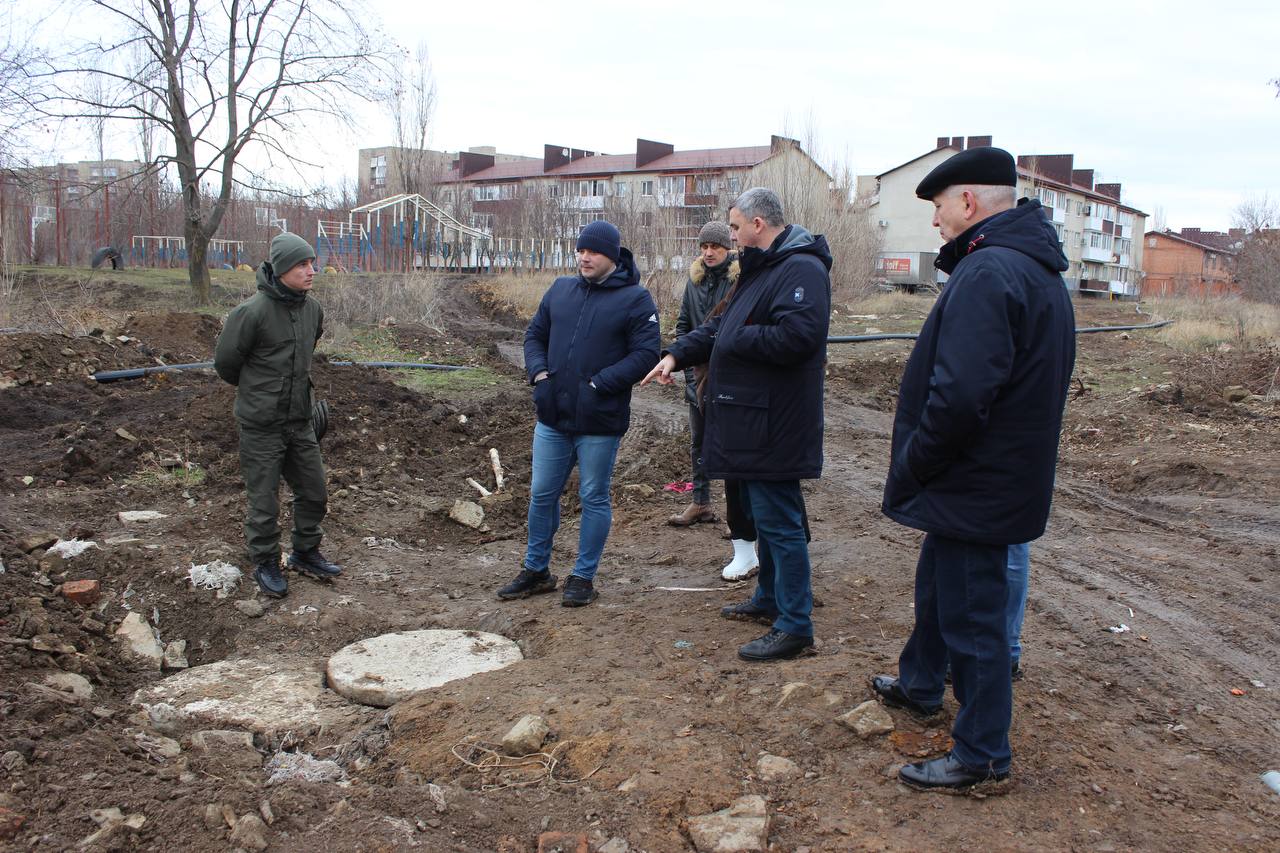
(761, 202)
(992, 197)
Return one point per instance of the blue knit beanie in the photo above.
(602, 237)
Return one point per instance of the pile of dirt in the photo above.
(176, 337)
(28, 358)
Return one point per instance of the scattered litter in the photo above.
(1256, 683)
(683, 644)
(702, 588)
(1120, 629)
(498, 479)
(218, 575)
(484, 493)
(1130, 609)
(131, 515)
(28, 480)
(679, 488)
(299, 766)
(126, 435)
(71, 547)
(305, 609)
(1144, 638)
(1272, 780)
(1236, 691)
(462, 419)
(375, 542)
(1178, 728)
(2, 570)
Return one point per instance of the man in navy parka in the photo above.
(975, 442)
(593, 337)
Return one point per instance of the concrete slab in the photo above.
(387, 669)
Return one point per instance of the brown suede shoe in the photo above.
(692, 514)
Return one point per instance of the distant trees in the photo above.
(1258, 261)
(216, 78)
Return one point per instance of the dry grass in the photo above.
(1209, 323)
(370, 300)
(516, 292)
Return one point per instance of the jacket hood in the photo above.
(625, 272)
(794, 240)
(269, 284)
(1025, 229)
(698, 269)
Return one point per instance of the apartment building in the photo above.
(1191, 262)
(383, 171)
(1097, 229)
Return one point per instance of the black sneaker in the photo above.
(1015, 670)
(270, 578)
(577, 592)
(528, 583)
(775, 645)
(749, 612)
(313, 564)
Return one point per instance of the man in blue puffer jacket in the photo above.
(593, 337)
(765, 355)
(975, 441)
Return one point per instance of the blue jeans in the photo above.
(554, 455)
(777, 509)
(961, 602)
(1019, 565)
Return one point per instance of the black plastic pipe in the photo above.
(911, 336)
(139, 372)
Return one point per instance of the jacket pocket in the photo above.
(258, 399)
(743, 415)
(544, 401)
(598, 413)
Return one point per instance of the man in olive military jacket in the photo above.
(265, 351)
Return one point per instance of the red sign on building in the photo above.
(895, 266)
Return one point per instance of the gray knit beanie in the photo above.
(289, 250)
(716, 232)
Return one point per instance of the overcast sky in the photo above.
(1170, 99)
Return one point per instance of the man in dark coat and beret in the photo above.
(975, 441)
(765, 357)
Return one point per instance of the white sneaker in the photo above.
(745, 562)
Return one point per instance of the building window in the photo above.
(621, 188)
(671, 185)
(553, 191)
(735, 185)
(646, 220)
(483, 221)
(378, 170)
(110, 172)
(1151, 242)
(646, 188)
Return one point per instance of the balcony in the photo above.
(1059, 215)
(1122, 288)
(670, 199)
(584, 202)
(1093, 223)
(1095, 253)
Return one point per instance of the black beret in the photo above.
(986, 166)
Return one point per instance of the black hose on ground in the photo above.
(911, 336)
(139, 372)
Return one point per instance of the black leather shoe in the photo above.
(775, 645)
(749, 612)
(528, 583)
(1015, 670)
(890, 690)
(578, 592)
(270, 578)
(946, 773)
(313, 564)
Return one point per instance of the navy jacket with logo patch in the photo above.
(595, 341)
(975, 436)
(765, 356)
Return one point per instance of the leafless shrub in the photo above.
(362, 300)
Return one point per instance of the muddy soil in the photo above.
(1165, 520)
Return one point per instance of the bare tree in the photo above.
(413, 104)
(218, 79)
(1258, 261)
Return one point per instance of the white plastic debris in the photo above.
(135, 515)
(1120, 629)
(1255, 682)
(71, 547)
(1272, 780)
(299, 766)
(217, 575)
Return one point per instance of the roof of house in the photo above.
(613, 164)
(1180, 239)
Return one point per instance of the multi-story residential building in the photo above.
(1190, 263)
(655, 188)
(1096, 227)
(84, 177)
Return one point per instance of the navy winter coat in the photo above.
(603, 335)
(975, 437)
(766, 356)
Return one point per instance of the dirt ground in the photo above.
(1166, 519)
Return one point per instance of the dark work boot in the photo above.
(270, 577)
(577, 592)
(946, 773)
(748, 611)
(890, 690)
(313, 564)
(528, 583)
(775, 645)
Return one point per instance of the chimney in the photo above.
(1055, 167)
(944, 142)
(647, 151)
(957, 142)
(555, 156)
(1082, 178)
(470, 162)
(979, 141)
(1109, 190)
